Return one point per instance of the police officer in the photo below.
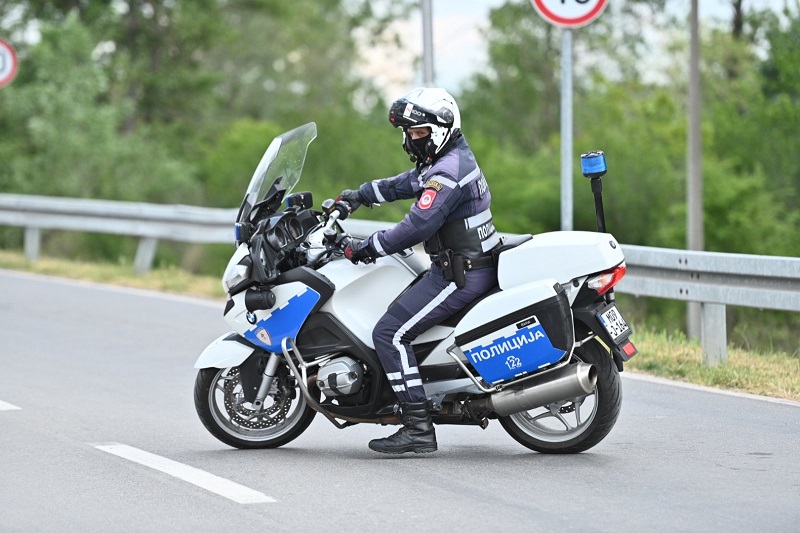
(452, 217)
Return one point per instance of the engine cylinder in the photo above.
(340, 377)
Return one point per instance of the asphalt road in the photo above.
(86, 369)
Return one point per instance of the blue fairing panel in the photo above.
(284, 321)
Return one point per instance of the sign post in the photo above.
(8, 63)
(567, 14)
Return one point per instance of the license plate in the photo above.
(614, 323)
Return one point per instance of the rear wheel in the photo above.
(577, 424)
(222, 408)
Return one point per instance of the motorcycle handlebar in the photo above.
(332, 218)
(335, 210)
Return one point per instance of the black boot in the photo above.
(417, 434)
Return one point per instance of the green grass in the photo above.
(667, 355)
(673, 356)
(170, 279)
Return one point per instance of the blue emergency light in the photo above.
(593, 164)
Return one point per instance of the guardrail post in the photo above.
(33, 243)
(713, 335)
(145, 253)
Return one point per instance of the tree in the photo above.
(753, 104)
(517, 99)
(66, 139)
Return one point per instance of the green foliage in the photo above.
(754, 117)
(65, 139)
(515, 100)
(746, 215)
(229, 165)
(525, 189)
(175, 101)
(641, 128)
(159, 64)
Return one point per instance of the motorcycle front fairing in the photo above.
(276, 175)
(228, 350)
(264, 329)
(268, 327)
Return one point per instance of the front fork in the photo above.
(266, 381)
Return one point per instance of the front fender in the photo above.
(227, 351)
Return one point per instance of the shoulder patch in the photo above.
(426, 200)
(433, 184)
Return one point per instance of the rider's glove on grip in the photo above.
(357, 250)
(352, 198)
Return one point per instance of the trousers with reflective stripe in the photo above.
(427, 303)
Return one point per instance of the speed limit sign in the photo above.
(8, 63)
(569, 13)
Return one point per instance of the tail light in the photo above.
(602, 283)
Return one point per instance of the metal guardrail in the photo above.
(766, 282)
(150, 222)
(715, 280)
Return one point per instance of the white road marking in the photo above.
(195, 476)
(692, 386)
(7, 406)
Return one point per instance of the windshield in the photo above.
(280, 166)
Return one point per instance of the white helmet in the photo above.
(432, 108)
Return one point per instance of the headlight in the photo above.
(236, 275)
(238, 272)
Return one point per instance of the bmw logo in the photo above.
(613, 244)
(251, 317)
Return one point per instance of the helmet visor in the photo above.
(405, 114)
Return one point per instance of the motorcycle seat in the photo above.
(507, 243)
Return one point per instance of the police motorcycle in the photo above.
(540, 353)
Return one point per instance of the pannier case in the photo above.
(575, 253)
(517, 331)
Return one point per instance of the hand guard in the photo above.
(352, 198)
(357, 250)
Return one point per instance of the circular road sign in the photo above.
(8, 63)
(569, 13)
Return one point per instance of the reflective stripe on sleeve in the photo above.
(446, 182)
(378, 195)
(376, 243)
(469, 177)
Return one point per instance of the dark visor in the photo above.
(404, 114)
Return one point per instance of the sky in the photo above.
(459, 48)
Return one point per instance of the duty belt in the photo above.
(478, 263)
(447, 259)
(455, 266)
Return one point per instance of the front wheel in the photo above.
(577, 424)
(222, 408)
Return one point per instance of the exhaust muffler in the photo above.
(567, 382)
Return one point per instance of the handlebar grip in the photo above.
(343, 208)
